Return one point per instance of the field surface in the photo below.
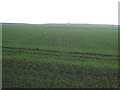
(56, 56)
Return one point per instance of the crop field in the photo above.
(59, 56)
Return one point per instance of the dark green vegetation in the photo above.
(50, 56)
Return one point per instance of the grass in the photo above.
(42, 73)
(56, 56)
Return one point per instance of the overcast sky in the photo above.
(59, 11)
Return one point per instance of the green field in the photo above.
(59, 56)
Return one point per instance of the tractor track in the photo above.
(73, 53)
(46, 54)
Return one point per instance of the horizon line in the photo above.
(58, 23)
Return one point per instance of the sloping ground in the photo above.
(51, 56)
